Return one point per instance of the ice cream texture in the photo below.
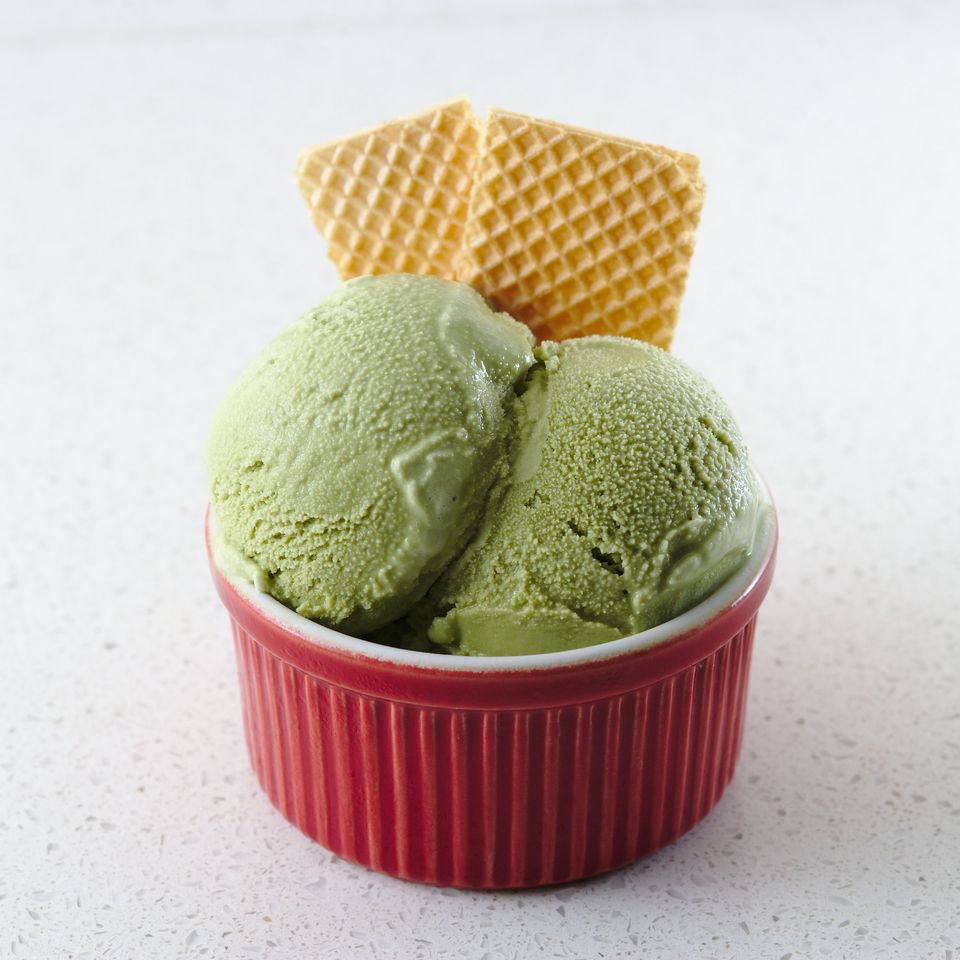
(630, 500)
(403, 464)
(350, 462)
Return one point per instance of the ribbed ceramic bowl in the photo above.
(499, 771)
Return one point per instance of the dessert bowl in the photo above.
(497, 772)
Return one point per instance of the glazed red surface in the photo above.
(504, 778)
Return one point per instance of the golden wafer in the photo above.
(393, 199)
(577, 233)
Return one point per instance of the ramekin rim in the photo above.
(319, 637)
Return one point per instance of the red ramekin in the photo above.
(500, 771)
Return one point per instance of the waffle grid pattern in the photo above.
(575, 234)
(572, 232)
(394, 199)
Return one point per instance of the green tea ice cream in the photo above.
(402, 464)
(629, 501)
(351, 461)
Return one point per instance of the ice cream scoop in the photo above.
(630, 498)
(404, 465)
(350, 463)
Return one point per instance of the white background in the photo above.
(152, 240)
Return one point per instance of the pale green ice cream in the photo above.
(630, 500)
(350, 463)
(401, 464)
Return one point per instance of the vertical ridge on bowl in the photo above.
(494, 797)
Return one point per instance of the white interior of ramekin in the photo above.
(739, 584)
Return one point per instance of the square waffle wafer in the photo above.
(393, 199)
(577, 233)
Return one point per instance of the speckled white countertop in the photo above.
(151, 240)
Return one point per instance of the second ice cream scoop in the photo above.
(350, 462)
(630, 499)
